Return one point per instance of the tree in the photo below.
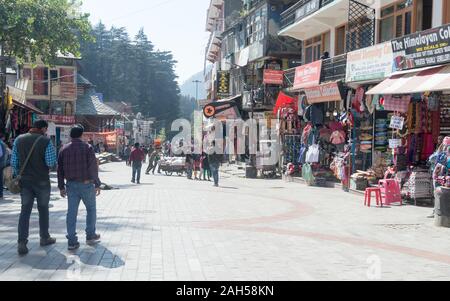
(133, 71)
(39, 28)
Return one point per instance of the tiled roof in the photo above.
(89, 104)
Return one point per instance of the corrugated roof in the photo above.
(90, 105)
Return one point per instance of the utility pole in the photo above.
(196, 82)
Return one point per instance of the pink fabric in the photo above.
(338, 137)
(335, 126)
(397, 104)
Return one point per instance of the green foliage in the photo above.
(131, 70)
(162, 134)
(42, 28)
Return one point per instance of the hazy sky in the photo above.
(174, 25)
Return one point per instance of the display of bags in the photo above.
(313, 154)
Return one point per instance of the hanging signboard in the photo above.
(426, 48)
(371, 63)
(324, 93)
(397, 122)
(273, 77)
(58, 119)
(223, 84)
(308, 75)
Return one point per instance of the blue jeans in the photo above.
(215, 173)
(77, 192)
(136, 172)
(40, 191)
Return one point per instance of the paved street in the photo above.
(170, 228)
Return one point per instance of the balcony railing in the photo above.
(333, 69)
(300, 10)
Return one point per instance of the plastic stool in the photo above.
(368, 196)
(390, 192)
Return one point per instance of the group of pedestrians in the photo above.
(33, 156)
(198, 167)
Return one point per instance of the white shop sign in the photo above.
(395, 143)
(397, 122)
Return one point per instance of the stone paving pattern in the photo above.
(170, 228)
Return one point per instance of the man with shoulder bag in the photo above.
(32, 157)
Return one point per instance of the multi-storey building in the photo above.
(244, 45)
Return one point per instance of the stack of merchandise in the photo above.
(419, 185)
(366, 138)
(381, 135)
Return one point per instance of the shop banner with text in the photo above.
(324, 93)
(308, 75)
(423, 49)
(273, 77)
(371, 63)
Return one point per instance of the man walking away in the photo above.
(136, 158)
(77, 165)
(214, 163)
(34, 181)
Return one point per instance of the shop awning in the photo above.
(415, 81)
(27, 106)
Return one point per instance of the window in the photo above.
(40, 81)
(313, 49)
(340, 40)
(54, 75)
(396, 20)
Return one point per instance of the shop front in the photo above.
(370, 134)
(416, 98)
(59, 128)
(315, 132)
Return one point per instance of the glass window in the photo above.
(399, 27)
(387, 11)
(386, 29)
(408, 23)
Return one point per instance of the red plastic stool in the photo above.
(368, 196)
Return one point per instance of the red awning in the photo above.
(284, 101)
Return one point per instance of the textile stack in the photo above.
(418, 186)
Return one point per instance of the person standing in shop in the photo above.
(137, 156)
(34, 181)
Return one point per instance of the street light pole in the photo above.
(196, 92)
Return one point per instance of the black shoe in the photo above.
(47, 241)
(22, 248)
(73, 247)
(132, 181)
(93, 240)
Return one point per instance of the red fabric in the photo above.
(285, 101)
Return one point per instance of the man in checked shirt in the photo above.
(77, 165)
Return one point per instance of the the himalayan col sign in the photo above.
(371, 63)
(273, 77)
(308, 75)
(324, 93)
(426, 48)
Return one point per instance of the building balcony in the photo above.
(213, 48)
(309, 18)
(261, 99)
(333, 69)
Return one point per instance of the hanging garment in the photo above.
(313, 154)
(428, 147)
(337, 137)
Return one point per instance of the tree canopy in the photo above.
(42, 28)
(131, 70)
